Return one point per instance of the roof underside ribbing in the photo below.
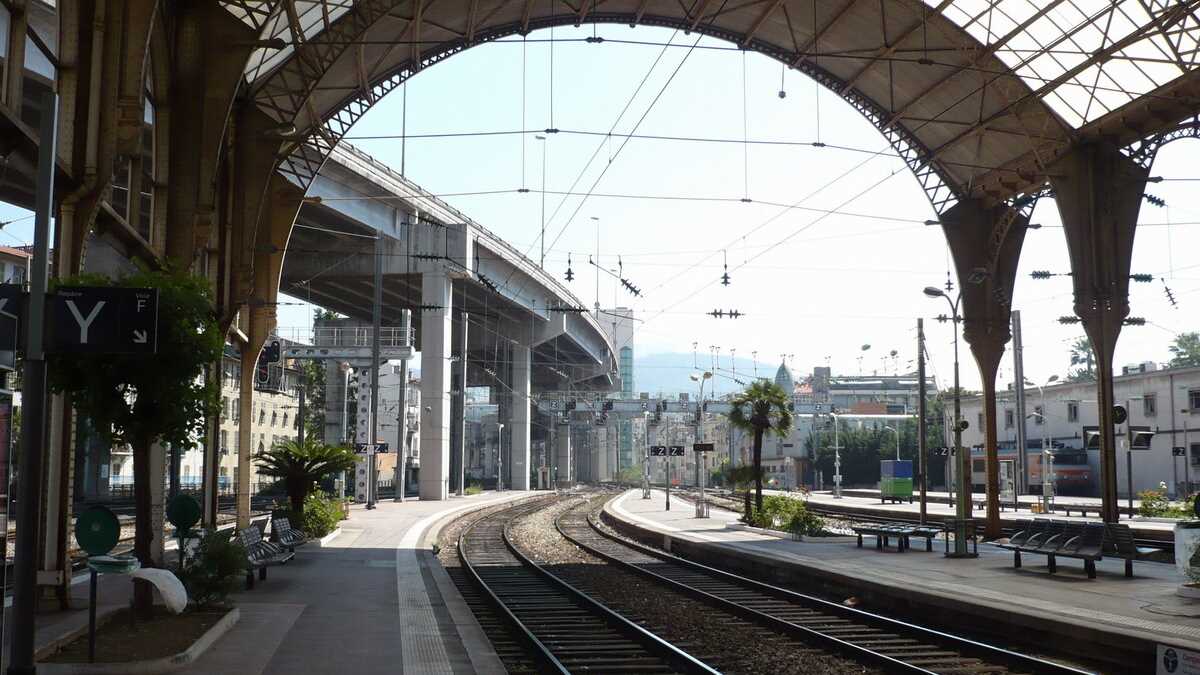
(978, 96)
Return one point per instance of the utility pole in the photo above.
(1019, 390)
(402, 408)
(300, 411)
(33, 420)
(462, 394)
(376, 327)
(922, 413)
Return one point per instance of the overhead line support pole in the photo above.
(33, 425)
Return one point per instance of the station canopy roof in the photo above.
(982, 93)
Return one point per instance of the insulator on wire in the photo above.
(1156, 201)
(1141, 278)
(570, 273)
(1066, 320)
(1041, 274)
(725, 276)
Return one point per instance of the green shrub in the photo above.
(1154, 504)
(215, 570)
(473, 487)
(321, 514)
(785, 513)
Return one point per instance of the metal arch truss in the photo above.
(1017, 211)
(285, 93)
(1144, 151)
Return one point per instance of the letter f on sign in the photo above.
(84, 324)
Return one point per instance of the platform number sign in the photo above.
(658, 451)
(675, 451)
(102, 320)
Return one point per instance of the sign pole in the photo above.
(668, 481)
(33, 424)
(376, 327)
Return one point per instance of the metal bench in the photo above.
(260, 553)
(1119, 543)
(283, 532)
(1087, 545)
(970, 530)
(882, 533)
(926, 532)
(1057, 538)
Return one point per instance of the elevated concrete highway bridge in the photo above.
(523, 334)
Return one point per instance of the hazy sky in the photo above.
(813, 285)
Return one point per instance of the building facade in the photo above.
(1063, 417)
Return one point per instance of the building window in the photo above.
(1194, 400)
(224, 442)
(274, 417)
(977, 465)
(1038, 416)
(262, 416)
(1195, 454)
(1072, 412)
(979, 421)
(1008, 419)
(1149, 405)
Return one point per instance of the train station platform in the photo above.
(372, 599)
(1116, 621)
(866, 504)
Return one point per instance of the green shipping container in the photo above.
(895, 480)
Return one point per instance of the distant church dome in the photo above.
(783, 378)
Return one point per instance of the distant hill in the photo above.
(667, 373)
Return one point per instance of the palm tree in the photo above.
(301, 465)
(763, 407)
(1082, 356)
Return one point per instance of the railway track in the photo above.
(893, 645)
(563, 629)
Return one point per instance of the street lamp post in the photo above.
(894, 431)
(701, 504)
(1047, 476)
(963, 458)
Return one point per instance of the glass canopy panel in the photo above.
(1085, 58)
(306, 20)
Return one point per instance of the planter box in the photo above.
(166, 664)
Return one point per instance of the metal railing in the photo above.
(389, 336)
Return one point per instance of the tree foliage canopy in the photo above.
(1083, 361)
(762, 406)
(1185, 350)
(146, 398)
(301, 465)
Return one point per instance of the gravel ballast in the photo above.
(725, 642)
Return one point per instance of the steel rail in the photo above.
(851, 624)
(671, 657)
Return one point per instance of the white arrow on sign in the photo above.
(139, 337)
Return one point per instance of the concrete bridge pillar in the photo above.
(519, 436)
(1099, 193)
(562, 465)
(435, 386)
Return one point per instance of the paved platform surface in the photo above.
(866, 501)
(1144, 607)
(367, 602)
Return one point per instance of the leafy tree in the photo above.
(760, 409)
(1185, 351)
(301, 466)
(1083, 361)
(142, 400)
